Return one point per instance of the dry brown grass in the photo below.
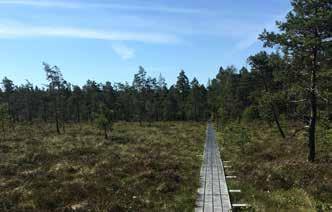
(274, 174)
(143, 168)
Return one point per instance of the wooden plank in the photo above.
(213, 194)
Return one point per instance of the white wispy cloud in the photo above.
(123, 51)
(21, 30)
(77, 5)
(41, 3)
(252, 37)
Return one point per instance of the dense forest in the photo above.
(290, 84)
(145, 100)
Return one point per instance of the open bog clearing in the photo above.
(174, 106)
(142, 168)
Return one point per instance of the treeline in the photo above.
(147, 99)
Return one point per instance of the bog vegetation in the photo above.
(287, 89)
(272, 173)
(152, 168)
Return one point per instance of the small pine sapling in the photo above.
(104, 120)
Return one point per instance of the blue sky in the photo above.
(107, 40)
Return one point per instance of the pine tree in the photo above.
(140, 87)
(305, 37)
(262, 66)
(183, 89)
(54, 76)
(104, 120)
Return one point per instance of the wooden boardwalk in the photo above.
(213, 194)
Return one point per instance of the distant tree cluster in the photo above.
(146, 100)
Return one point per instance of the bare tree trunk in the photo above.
(312, 127)
(57, 122)
(275, 116)
(313, 112)
(56, 116)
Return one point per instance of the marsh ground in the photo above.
(274, 174)
(142, 168)
(156, 168)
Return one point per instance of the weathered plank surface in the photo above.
(213, 193)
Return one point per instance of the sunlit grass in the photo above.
(274, 174)
(141, 168)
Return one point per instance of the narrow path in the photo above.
(213, 194)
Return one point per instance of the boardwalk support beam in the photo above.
(240, 205)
